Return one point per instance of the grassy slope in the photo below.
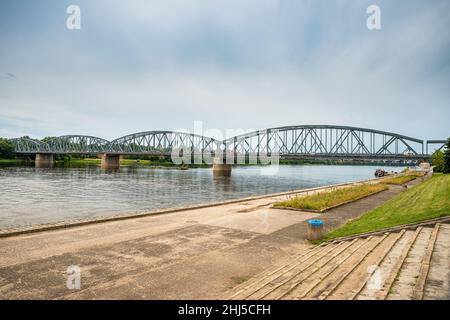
(324, 200)
(428, 200)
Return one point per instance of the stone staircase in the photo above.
(408, 264)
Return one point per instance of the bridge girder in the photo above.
(162, 143)
(439, 143)
(325, 140)
(78, 144)
(68, 144)
(29, 146)
(319, 141)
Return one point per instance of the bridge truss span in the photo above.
(326, 141)
(162, 143)
(296, 142)
(78, 144)
(30, 146)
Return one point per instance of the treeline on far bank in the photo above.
(6, 149)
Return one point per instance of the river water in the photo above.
(32, 196)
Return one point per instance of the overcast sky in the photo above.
(251, 64)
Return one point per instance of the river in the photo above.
(34, 196)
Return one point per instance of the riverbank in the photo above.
(428, 200)
(192, 253)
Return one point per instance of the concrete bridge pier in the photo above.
(221, 169)
(110, 161)
(43, 160)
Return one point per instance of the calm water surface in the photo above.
(31, 196)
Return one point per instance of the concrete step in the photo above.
(405, 282)
(248, 287)
(260, 291)
(419, 288)
(438, 282)
(290, 280)
(361, 272)
(330, 283)
(406, 264)
(301, 288)
(380, 282)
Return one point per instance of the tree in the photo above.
(6, 149)
(48, 139)
(446, 168)
(437, 159)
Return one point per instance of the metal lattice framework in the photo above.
(78, 144)
(439, 143)
(326, 141)
(27, 145)
(70, 144)
(289, 142)
(162, 143)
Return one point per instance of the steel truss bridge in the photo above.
(291, 142)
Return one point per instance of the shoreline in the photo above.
(72, 223)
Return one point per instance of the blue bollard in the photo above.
(315, 229)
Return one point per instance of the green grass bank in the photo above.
(399, 180)
(324, 200)
(427, 200)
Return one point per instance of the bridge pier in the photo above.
(110, 161)
(43, 160)
(221, 169)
